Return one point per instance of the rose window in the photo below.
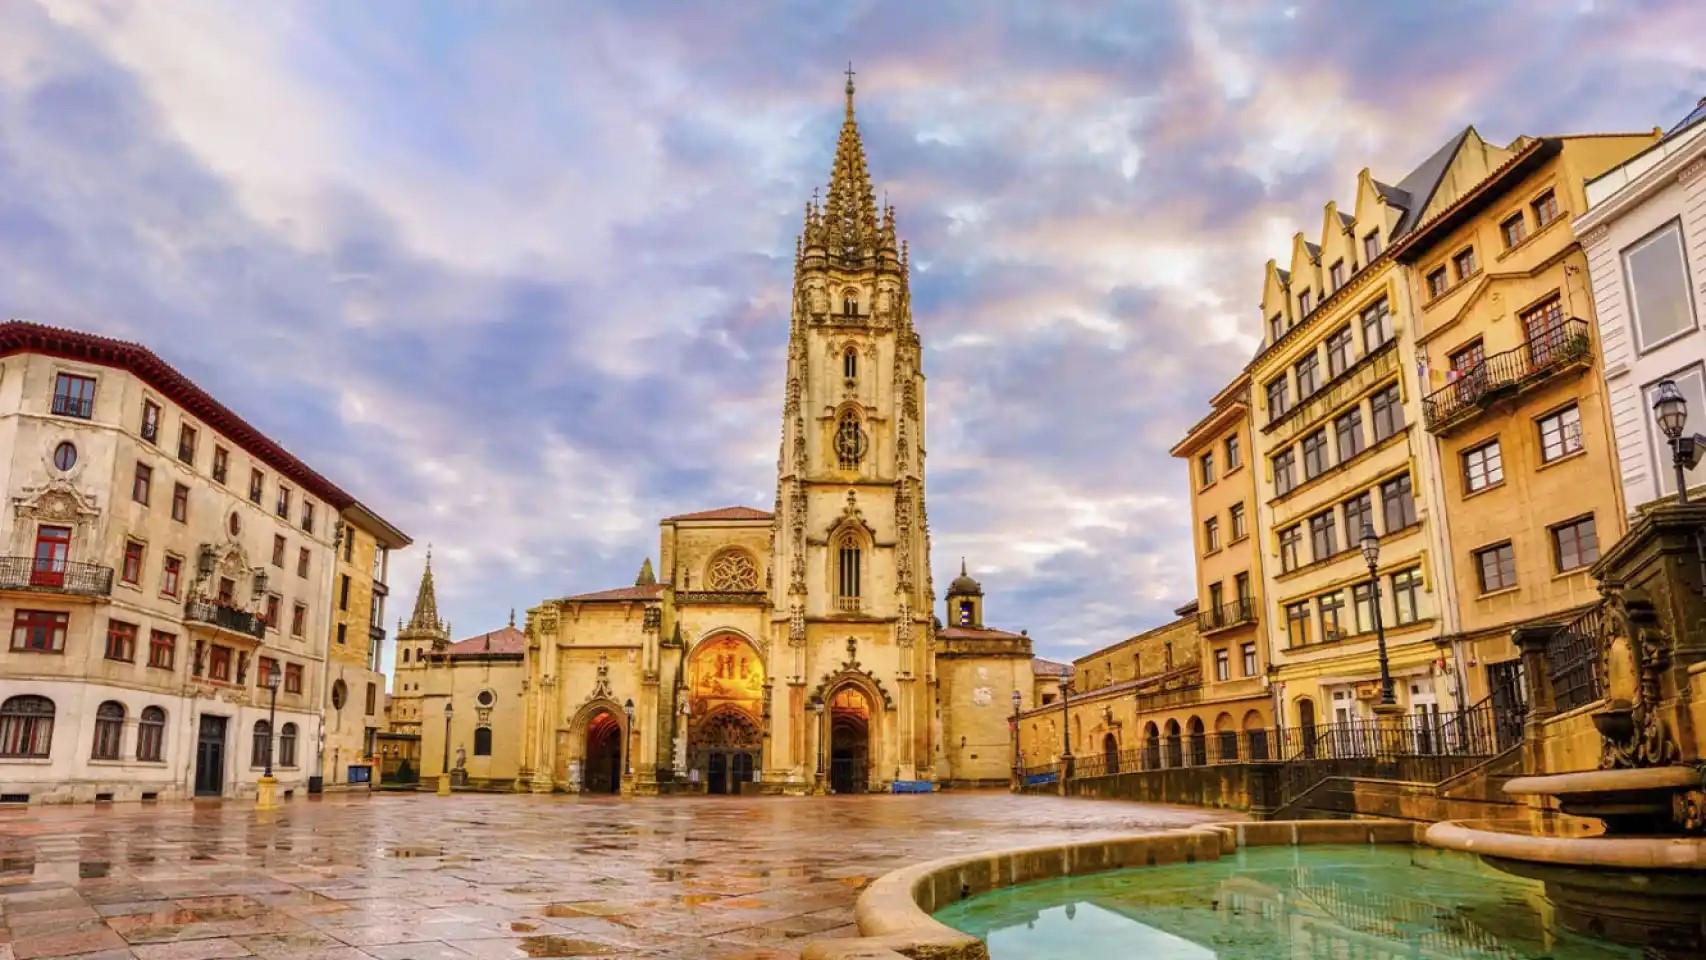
(734, 570)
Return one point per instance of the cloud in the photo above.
(519, 276)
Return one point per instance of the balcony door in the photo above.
(1543, 328)
(53, 551)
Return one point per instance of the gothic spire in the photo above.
(849, 219)
(425, 616)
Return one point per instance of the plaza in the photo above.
(415, 877)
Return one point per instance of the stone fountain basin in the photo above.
(1627, 800)
(1511, 841)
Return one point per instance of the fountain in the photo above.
(1621, 849)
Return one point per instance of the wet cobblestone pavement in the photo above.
(486, 877)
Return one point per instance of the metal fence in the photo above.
(1572, 658)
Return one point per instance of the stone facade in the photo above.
(355, 687)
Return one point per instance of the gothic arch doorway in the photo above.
(725, 699)
(726, 746)
(849, 741)
(603, 754)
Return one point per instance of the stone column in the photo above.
(1532, 639)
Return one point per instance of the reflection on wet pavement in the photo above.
(415, 877)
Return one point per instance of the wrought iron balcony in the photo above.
(55, 576)
(225, 618)
(66, 405)
(1227, 615)
(1560, 347)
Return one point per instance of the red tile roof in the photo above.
(1050, 668)
(645, 591)
(502, 640)
(977, 633)
(725, 513)
(18, 336)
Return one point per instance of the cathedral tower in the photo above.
(851, 584)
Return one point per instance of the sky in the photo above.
(517, 274)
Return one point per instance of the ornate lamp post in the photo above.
(816, 707)
(628, 740)
(1670, 409)
(1370, 545)
(1018, 763)
(266, 791)
(444, 771)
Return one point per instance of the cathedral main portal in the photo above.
(725, 735)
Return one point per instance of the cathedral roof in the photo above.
(640, 591)
(725, 513)
(1050, 668)
(503, 640)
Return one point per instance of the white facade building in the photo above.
(1645, 237)
(159, 557)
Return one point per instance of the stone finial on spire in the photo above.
(849, 89)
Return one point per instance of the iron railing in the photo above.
(1236, 613)
(1548, 351)
(226, 618)
(1572, 658)
(55, 576)
(66, 405)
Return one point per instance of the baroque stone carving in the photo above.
(1638, 650)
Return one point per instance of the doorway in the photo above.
(1424, 705)
(1306, 725)
(717, 773)
(603, 754)
(849, 741)
(210, 757)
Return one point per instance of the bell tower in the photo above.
(851, 593)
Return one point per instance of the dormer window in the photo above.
(1337, 274)
(1370, 247)
(1276, 327)
(1303, 304)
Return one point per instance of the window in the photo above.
(850, 363)
(1211, 534)
(142, 483)
(349, 545)
(1336, 275)
(1279, 397)
(340, 694)
(109, 732)
(1691, 381)
(278, 545)
(373, 698)
(1362, 607)
(847, 573)
(257, 480)
(308, 521)
(1297, 624)
(1560, 433)
(1222, 665)
(1303, 304)
(1544, 332)
(1388, 411)
(1234, 456)
(221, 463)
(293, 678)
(64, 456)
(39, 631)
(1463, 262)
(1276, 327)
(482, 741)
(1496, 566)
(1205, 468)
(74, 396)
(1332, 607)
(121, 641)
(1241, 584)
(283, 507)
(287, 745)
(1398, 501)
(265, 667)
(1483, 467)
(219, 662)
(131, 570)
(849, 303)
(343, 592)
(1323, 536)
(271, 617)
(26, 727)
(1236, 515)
(180, 503)
(1308, 375)
(1406, 596)
(1376, 326)
(343, 633)
(1249, 653)
(260, 751)
(1574, 544)
(302, 562)
(162, 649)
(1347, 431)
(52, 552)
(227, 592)
(1438, 283)
(1285, 478)
(1359, 513)
(171, 576)
(1370, 248)
(1339, 351)
(1514, 229)
(150, 421)
(1315, 458)
(1545, 208)
(299, 620)
(186, 443)
(151, 735)
(1468, 359)
(849, 441)
(1291, 539)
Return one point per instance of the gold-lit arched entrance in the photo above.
(725, 732)
(849, 740)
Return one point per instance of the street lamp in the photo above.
(816, 707)
(271, 681)
(628, 747)
(1670, 409)
(1017, 769)
(1370, 545)
(444, 770)
(1065, 717)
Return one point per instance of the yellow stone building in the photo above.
(790, 650)
(355, 687)
(1516, 405)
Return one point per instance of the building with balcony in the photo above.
(162, 559)
(355, 685)
(1514, 406)
(1644, 235)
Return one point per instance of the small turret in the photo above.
(965, 600)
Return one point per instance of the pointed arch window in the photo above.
(850, 363)
(848, 554)
(850, 442)
(850, 302)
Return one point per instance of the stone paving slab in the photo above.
(492, 877)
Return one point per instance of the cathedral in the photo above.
(791, 650)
